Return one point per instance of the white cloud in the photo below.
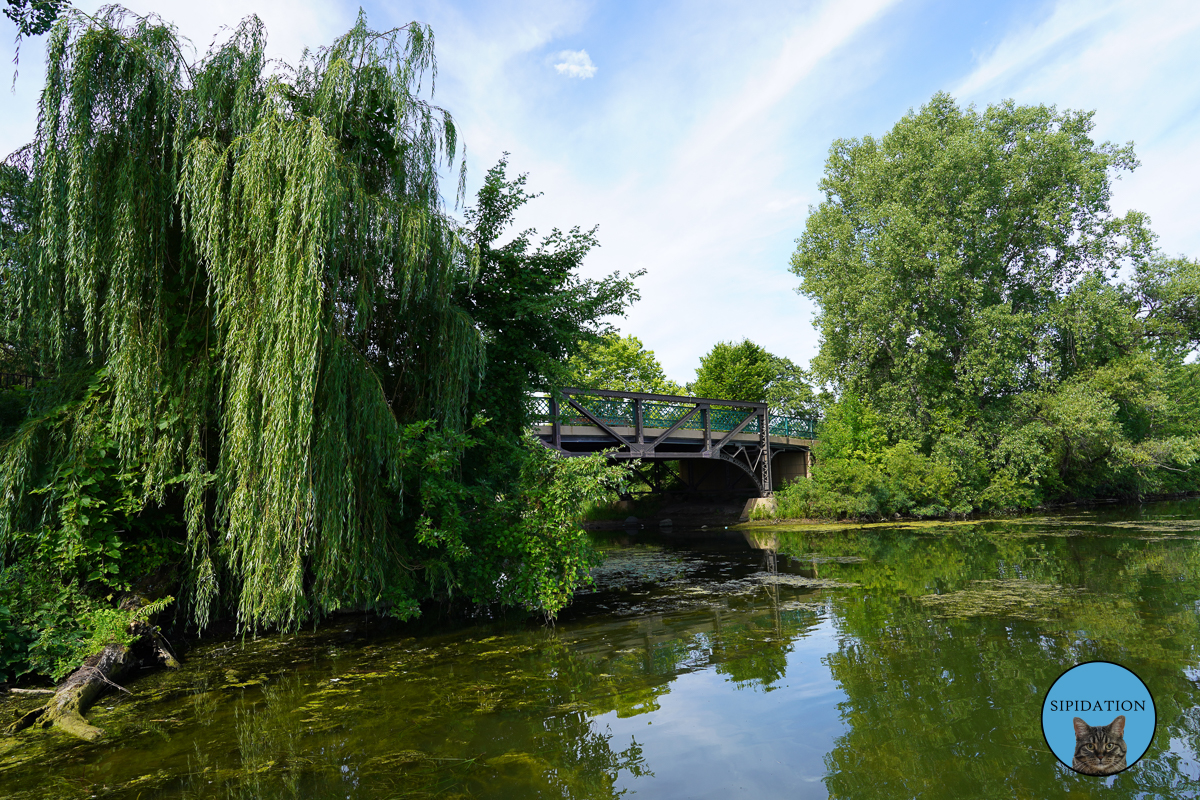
(701, 147)
(1030, 48)
(575, 64)
(686, 159)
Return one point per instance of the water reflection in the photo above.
(904, 661)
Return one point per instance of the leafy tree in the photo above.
(732, 371)
(966, 269)
(619, 364)
(534, 313)
(747, 372)
(33, 17)
(247, 301)
(944, 251)
(533, 309)
(790, 392)
(248, 273)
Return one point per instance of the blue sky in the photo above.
(695, 133)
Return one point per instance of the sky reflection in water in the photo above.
(897, 661)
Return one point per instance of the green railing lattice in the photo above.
(655, 414)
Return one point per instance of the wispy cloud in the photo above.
(684, 157)
(1032, 49)
(700, 147)
(1137, 66)
(575, 64)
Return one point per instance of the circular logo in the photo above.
(1098, 718)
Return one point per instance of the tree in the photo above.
(619, 364)
(944, 249)
(531, 306)
(245, 296)
(965, 266)
(252, 279)
(732, 371)
(747, 372)
(789, 392)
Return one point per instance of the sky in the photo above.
(694, 134)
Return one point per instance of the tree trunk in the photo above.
(72, 699)
(99, 672)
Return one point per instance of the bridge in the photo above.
(717, 445)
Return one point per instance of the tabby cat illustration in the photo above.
(1099, 750)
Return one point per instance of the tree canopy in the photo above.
(977, 292)
(745, 371)
(734, 371)
(262, 337)
(619, 363)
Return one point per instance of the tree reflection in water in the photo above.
(889, 662)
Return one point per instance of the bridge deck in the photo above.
(583, 434)
(700, 432)
(664, 411)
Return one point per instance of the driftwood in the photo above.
(99, 673)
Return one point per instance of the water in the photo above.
(885, 661)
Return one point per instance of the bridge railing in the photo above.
(656, 414)
(10, 380)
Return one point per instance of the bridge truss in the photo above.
(655, 427)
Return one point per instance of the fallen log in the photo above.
(99, 673)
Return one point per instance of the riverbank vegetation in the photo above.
(997, 336)
(275, 377)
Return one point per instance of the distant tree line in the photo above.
(741, 371)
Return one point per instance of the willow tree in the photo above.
(235, 277)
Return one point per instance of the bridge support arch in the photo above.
(711, 439)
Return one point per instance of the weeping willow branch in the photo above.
(251, 268)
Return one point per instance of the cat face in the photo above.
(1099, 750)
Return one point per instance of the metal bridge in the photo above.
(9, 380)
(719, 445)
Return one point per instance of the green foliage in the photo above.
(14, 645)
(49, 625)
(33, 17)
(534, 314)
(619, 364)
(524, 547)
(534, 311)
(250, 274)
(14, 407)
(790, 392)
(945, 252)
(965, 265)
(732, 371)
(262, 338)
(552, 550)
(98, 628)
(746, 372)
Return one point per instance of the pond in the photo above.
(879, 661)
